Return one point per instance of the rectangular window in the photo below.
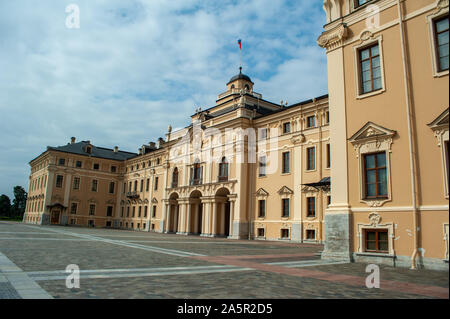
(285, 233)
(327, 117)
(121, 211)
(263, 133)
(147, 186)
(62, 162)
(76, 183)
(92, 209)
(145, 211)
(153, 226)
(370, 69)
(73, 208)
(59, 181)
(142, 185)
(108, 223)
(156, 183)
(285, 208)
(286, 127)
(109, 211)
(154, 211)
(376, 240)
(96, 166)
(262, 208)
(134, 212)
(111, 187)
(310, 158)
(286, 161)
(441, 38)
(139, 211)
(94, 185)
(311, 201)
(311, 121)
(113, 169)
(359, 3)
(128, 211)
(328, 156)
(310, 234)
(78, 164)
(260, 232)
(375, 175)
(262, 166)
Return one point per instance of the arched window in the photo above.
(223, 170)
(232, 86)
(175, 178)
(247, 87)
(196, 173)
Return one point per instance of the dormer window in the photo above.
(89, 149)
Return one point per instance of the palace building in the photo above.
(388, 66)
(363, 170)
(244, 168)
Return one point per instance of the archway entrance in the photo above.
(222, 225)
(195, 218)
(172, 214)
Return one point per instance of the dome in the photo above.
(240, 76)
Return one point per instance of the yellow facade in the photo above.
(233, 199)
(386, 131)
(403, 116)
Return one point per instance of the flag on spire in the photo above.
(240, 44)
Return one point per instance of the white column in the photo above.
(222, 226)
(214, 219)
(169, 213)
(188, 222)
(231, 217)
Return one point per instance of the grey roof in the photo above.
(100, 152)
(240, 76)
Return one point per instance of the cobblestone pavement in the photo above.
(127, 264)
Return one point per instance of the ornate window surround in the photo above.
(441, 131)
(262, 194)
(374, 223)
(441, 10)
(367, 38)
(372, 138)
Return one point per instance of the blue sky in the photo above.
(136, 66)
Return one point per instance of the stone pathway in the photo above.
(126, 264)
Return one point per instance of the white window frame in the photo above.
(431, 36)
(356, 49)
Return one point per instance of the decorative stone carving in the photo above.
(299, 138)
(333, 38)
(374, 219)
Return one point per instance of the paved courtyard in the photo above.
(127, 264)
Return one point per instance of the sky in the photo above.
(135, 66)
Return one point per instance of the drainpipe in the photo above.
(410, 137)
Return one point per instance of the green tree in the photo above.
(5, 206)
(19, 202)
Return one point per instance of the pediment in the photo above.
(154, 200)
(371, 131)
(261, 192)
(441, 120)
(110, 201)
(285, 191)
